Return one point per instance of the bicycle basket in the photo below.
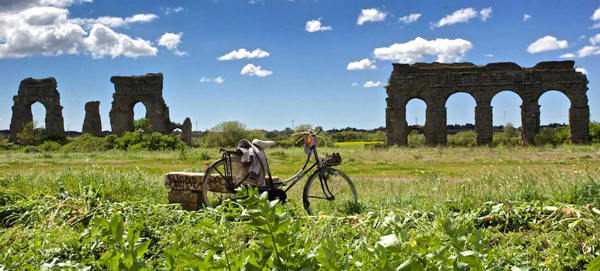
(334, 159)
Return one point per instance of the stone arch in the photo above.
(454, 94)
(578, 116)
(145, 89)
(437, 81)
(37, 90)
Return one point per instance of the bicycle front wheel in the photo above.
(214, 190)
(329, 191)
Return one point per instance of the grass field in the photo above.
(419, 208)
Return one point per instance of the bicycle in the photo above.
(327, 189)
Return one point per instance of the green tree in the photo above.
(225, 134)
(303, 127)
(30, 135)
(510, 130)
(143, 125)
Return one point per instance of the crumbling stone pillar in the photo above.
(579, 121)
(92, 123)
(436, 135)
(186, 128)
(484, 132)
(530, 122)
(37, 90)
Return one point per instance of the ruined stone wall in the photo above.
(147, 89)
(37, 90)
(434, 83)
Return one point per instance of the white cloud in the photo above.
(170, 40)
(103, 41)
(584, 52)
(180, 53)
(371, 84)
(10, 5)
(526, 17)
(173, 10)
(218, 80)
(596, 15)
(364, 64)
(115, 22)
(581, 70)
(46, 30)
(242, 53)
(486, 13)
(413, 17)
(446, 50)
(488, 55)
(595, 39)
(370, 15)
(547, 43)
(354, 84)
(569, 55)
(595, 26)
(459, 16)
(252, 70)
(315, 25)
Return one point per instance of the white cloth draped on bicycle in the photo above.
(257, 158)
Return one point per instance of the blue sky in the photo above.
(310, 54)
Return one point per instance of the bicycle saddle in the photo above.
(263, 144)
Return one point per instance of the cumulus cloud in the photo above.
(595, 39)
(364, 64)
(371, 84)
(115, 22)
(584, 52)
(103, 41)
(526, 17)
(547, 43)
(354, 84)
(315, 25)
(596, 15)
(486, 13)
(370, 15)
(173, 10)
(446, 50)
(243, 53)
(252, 70)
(171, 41)
(462, 16)
(218, 80)
(46, 30)
(409, 19)
(581, 70)
(459, 16)
(10, 5)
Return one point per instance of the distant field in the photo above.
(357, 144)
(429, 207)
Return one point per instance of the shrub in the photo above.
(225, 134)
(147, 141)
(143, 125)
(49, 146)
(594, 132)
(465, 138)
(31, 149)
(88, 143)
(30, 135)
(55, 137)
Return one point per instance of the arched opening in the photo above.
(38, 112)
(506, 118)
(415, 119)
(140, 120)
(554, 118)
(460, 119)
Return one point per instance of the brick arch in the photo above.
(37, 90)
(437, 81)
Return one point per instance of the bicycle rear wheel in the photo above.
(329, 191)
(214, 190)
